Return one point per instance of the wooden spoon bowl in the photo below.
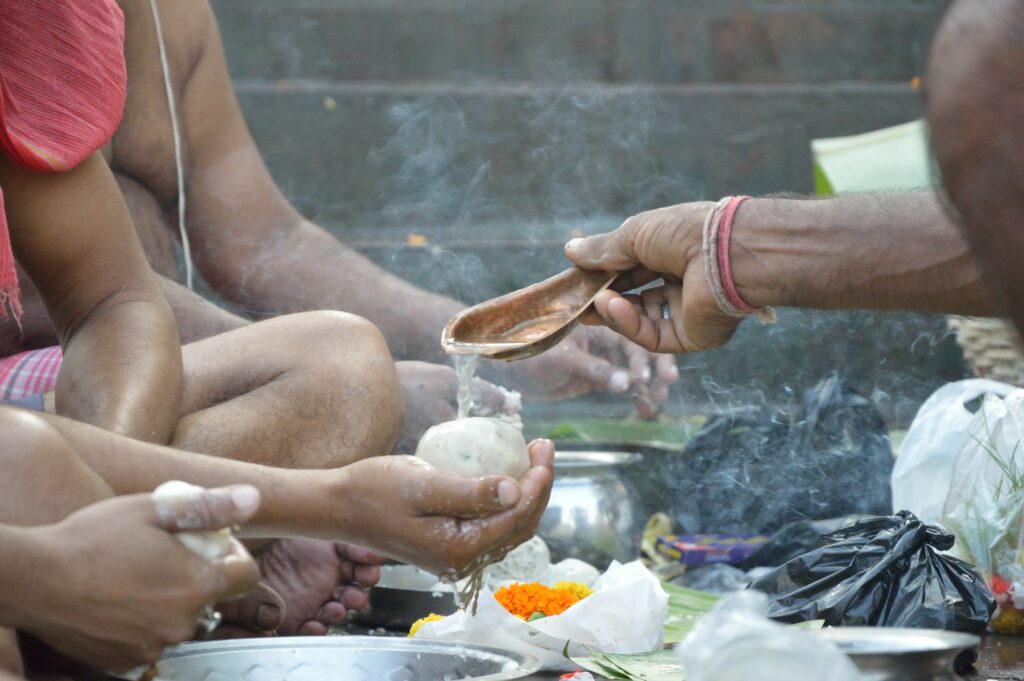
(526, 322)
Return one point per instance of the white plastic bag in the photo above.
(737, 642)
(924, 467)
(625, 614)
(985, 504)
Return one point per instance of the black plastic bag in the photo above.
(795, 539)
(755, 469)
(885, 572)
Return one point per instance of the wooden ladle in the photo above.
(526, 322)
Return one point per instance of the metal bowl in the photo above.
(591, 514)
(402, 596)
(883, 654)
(341, 658)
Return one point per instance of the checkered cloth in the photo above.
(29, 373)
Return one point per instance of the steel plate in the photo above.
(341, 658)
(884, 654)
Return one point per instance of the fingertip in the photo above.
(543, 452)
(508, 494)
(618, 382)
(246, 500)
(668, 371)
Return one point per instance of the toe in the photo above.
(332, 613)
(351, 597)
(312, 628)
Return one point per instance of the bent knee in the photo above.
(353, 358)
(330, 331)
(44, 479)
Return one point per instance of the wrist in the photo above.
(29, 562)
(761, 238)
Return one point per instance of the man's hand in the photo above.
(118, 587)
(593, 359)
(431, 398)
(446, 524)
(659, 244)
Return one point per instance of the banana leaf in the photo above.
(685, 607)
(891, 159)
(661, 665)
(669, 434)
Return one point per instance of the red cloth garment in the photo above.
(62, 90)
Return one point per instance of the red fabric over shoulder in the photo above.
(62, 91)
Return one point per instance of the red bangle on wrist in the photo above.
(718, 264)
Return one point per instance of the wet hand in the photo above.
(660, 244)
(441, 522)
(431, 397)
(120, 587)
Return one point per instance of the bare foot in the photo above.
(320, 581)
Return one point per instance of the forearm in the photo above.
(122, 370)
(294, 502)
(882, 252)
(309, 269)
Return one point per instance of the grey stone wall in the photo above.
(500, 128)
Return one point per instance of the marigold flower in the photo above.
(525, 600)
(432, 617)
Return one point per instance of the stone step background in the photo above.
(497, 129)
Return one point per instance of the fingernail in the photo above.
(619, 382)
(268, 617)
(645, 374)
(673, 373)
(508, 493)
(574, 243)
(246, 498)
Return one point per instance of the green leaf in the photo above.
(891, 159)
(661, 665)
(685, 607)
(536, 616)
(669, 434)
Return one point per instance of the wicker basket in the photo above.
(992, 348)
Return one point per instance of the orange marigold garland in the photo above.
(530, 601)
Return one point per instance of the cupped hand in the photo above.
(431, 397)
(120, 587)
(660, 244)
(444, 523)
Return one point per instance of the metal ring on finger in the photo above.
(209, 620)
(664, 310)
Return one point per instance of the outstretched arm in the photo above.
(122, 362)
(880, 251)
(398, 505)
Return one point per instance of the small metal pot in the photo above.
(592, 514)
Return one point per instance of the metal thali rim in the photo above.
(591, 458)
(526, 664)
(945, 641)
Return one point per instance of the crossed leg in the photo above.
(308, 390)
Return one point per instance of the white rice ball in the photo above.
(475, 447)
